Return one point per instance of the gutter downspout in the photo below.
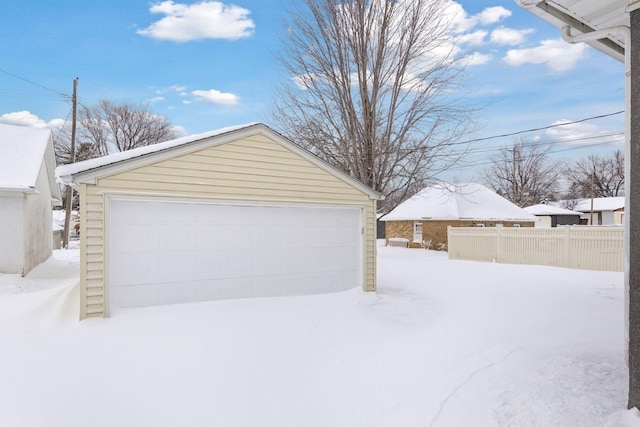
(624, 31)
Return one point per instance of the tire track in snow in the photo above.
(468, 379)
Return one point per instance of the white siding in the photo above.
(11, 243)
(38, 242)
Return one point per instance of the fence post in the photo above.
(565, 247)
(498, 244)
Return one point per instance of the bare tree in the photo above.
(597, 176)
(374, 90)
(107, 127)
(523, 173)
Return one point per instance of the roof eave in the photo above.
(560, 19)
(90, 176)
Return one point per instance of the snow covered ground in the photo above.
(443, 343)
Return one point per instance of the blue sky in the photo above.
(206, 65)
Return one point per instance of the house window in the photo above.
(417, 232)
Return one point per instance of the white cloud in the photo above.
(304, 81)
(581, 133)
(571, 131)
(26, 118)
(180, 131)
(491, 15)
(203, 20)
(216, 97)
(172, 88)
(462, 22)
(474, 39)
(477, 58)
(558, 55)
(156, 99)
(509, 36)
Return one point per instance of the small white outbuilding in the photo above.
(28, 191)
(237, 212)
(553, 216)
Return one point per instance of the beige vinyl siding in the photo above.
(252, 169)
(92, 254)
(370, 246)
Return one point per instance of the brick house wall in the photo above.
(436, 230)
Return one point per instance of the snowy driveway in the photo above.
(443, 343)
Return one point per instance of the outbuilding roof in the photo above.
(464, 201)
(550, 210)
(87, 171)
(23, 151)
(600, 204)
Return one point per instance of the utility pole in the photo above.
(72, 157)
(592, 189)
(514, 183)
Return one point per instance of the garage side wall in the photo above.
(251, 169)
(11, 228)
(38, 242)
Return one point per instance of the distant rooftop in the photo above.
(446, 201)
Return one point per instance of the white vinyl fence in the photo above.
(583, 247)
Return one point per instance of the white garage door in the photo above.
(174, 252)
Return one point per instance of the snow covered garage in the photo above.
(238, 212)
(28, 190)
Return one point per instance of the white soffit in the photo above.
(584, 16)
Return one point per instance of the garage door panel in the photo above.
(172, 265)
(171, 213)
(205, 214)
(209, 236)
(208, 264)
(132, 268)
(171, 237)
(237, 214)
(240, 263)
(271, 236)
(244, 236)
(196, 251)
(139, 238)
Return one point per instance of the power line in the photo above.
(541, 143)
(550, 152)
(536, 129)
(34, 83)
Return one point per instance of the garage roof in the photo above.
(585, 16)
(87, 171)
(23, 151)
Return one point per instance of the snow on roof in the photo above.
(549, 210)
(458, 201)
(600, 204)
(23, 149)
(141, 151)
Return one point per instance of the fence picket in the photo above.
(588, 247)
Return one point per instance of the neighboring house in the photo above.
(606, 211)
(425, 217)
(238, 212)
(28, 190)
(553, 216)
